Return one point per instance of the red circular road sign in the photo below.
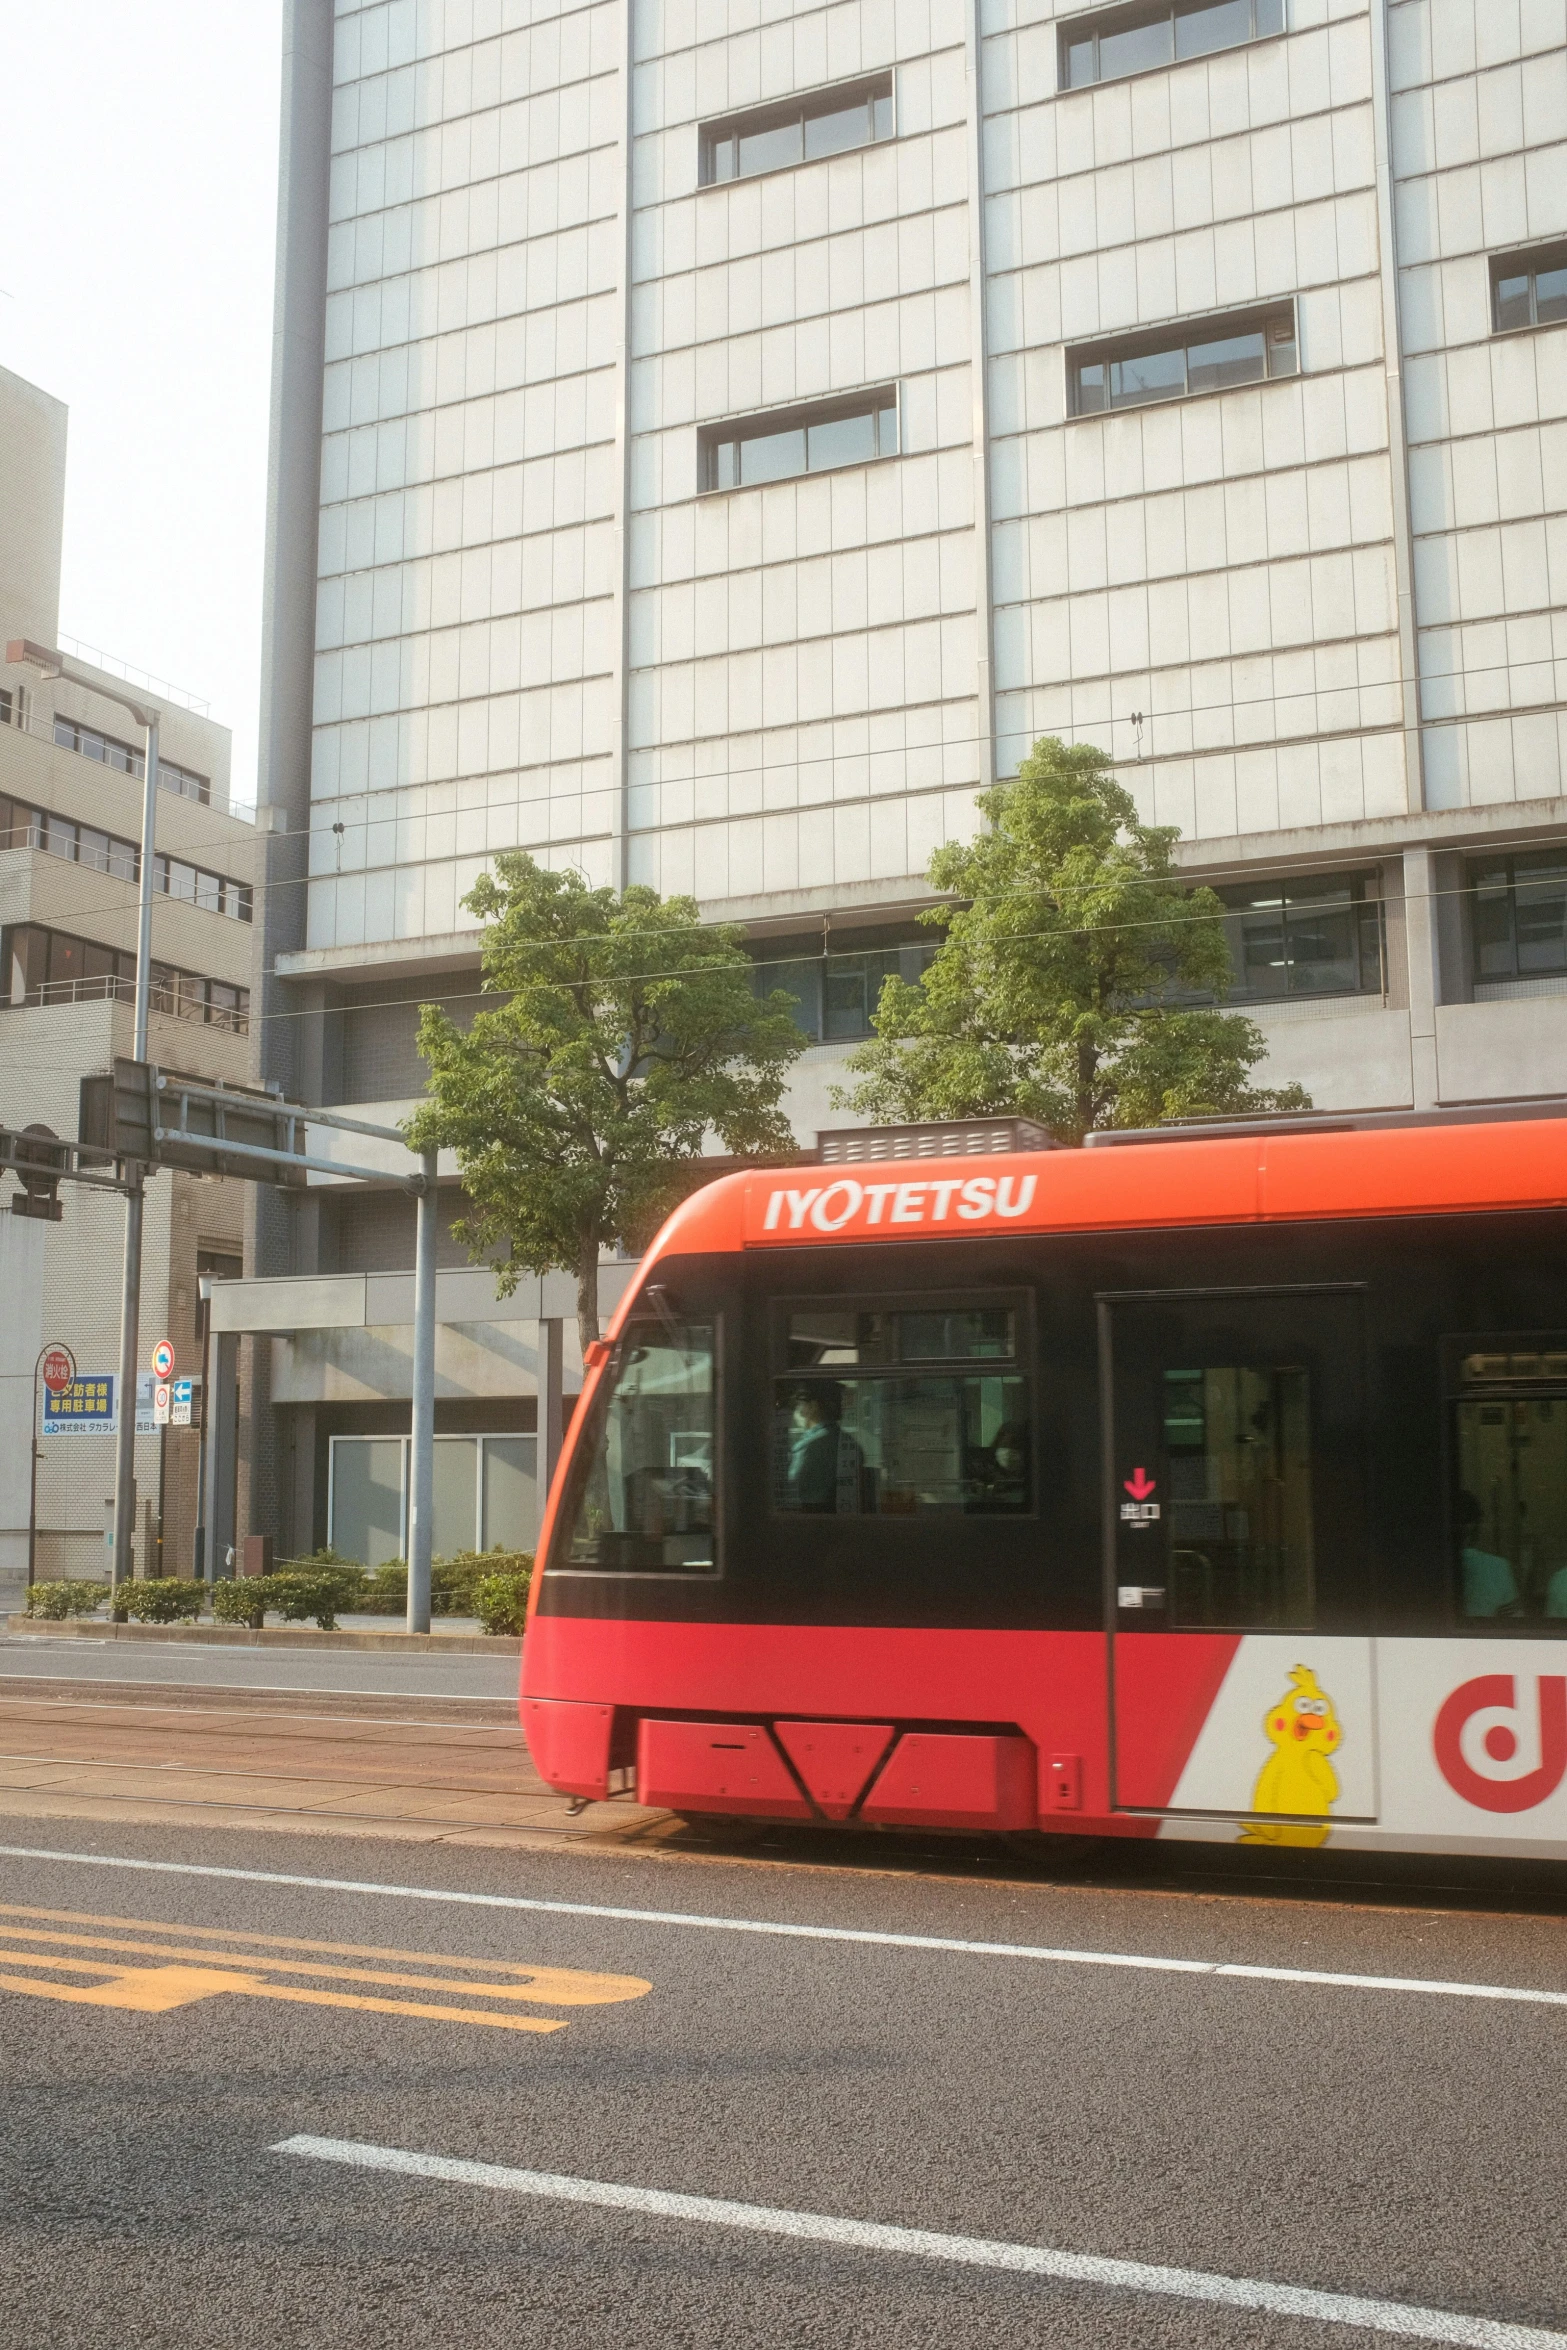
(58, 1368)
(163, 1359)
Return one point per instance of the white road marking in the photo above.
(1072, 2268)
(1137, 1961)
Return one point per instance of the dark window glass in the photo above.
(1530, 289)
(1512, 301)
(223, 1004)
(59, 835)
(1148, 375)
(7, 705)
(1237, 1440)
(801, 979)
(65, 964)
(1518, 916)
(902, 1447)
(857, 1432)
(643, 1497)
(124, 860)
(99, 965)
(1510, 1509)
(29, 964)
(1316, 935)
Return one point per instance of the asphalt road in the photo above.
(1237, 2132)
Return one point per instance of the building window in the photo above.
(785, 443)
(42, 966)
(1316, 934)
(1182, 363)
(125, 759)
(1529, 289)
(836, 990)
(800, 130)
(22, 827)
(7, 706)
(1518, 920)
(1114, 42)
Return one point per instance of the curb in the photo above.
(273, 1636)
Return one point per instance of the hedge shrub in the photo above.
(501, 1602)
(163, 1599)
(56, 1601)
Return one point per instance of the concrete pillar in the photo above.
(221, 1440)
(1425, 975)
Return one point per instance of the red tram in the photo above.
(1212, 1484)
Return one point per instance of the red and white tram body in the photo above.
(1212, 1487)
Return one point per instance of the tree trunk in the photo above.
(588, 1290)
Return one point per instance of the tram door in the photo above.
(1238, 1569)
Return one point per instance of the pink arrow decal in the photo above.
(1139, 1484)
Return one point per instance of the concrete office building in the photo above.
(712, 442)
(71, 782)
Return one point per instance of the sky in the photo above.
(138, 193)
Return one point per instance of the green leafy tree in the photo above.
(629, 1033)
(1057, 991)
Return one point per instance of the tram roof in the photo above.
(1448, 1164)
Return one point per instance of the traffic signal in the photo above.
(165, 1119)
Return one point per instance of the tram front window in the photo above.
(643, 1501)
(1510, 1513)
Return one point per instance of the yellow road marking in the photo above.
(203, 1974)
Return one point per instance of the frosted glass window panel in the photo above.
(511, 1492)
(454, 1523)
(843, 440)
(1550, 295)
(366, 1517)
(1152, 375)
(1222, 26)
(1231, 359)
(770, 150)
(1135, 49)
(772, 456)
(831, 134)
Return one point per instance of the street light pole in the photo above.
(51, 664)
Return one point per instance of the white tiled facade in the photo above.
(532, 629)
(508, 309)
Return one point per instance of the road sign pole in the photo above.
(421, 1466)
(125, 1441)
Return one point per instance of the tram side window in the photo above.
(1510, 1508)
(644, 1502)
(884, 1410)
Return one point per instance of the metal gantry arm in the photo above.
(295, 1118)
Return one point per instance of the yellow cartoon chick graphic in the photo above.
(1297, 1776)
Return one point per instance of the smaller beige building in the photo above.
(71, 787)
